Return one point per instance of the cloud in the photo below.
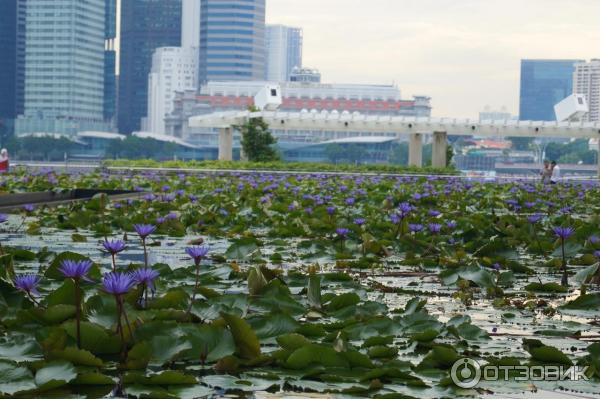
(464, 53)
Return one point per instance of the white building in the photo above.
(489, 114)
(173, 69)
(284, 51)
(586, 81)
(190, 23)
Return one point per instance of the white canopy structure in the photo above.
(413, 126)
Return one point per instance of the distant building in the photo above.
(488, 114)
(145, 26)
(190, 24)
(544, 83)
(110, 62)
(586, 81)
(296, 97)
(9, 83)
(64, 68)
(232, 40)
(284, 51)
(305, 75)
(173, 69)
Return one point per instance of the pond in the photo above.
(306, 285)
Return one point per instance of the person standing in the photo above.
(4, 165)
(556, 176)
(546, 172)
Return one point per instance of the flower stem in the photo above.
(145, 253)
(565, 278)
(195, 286)
(78, 312)
(114, 262)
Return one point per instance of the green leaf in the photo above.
(139, 356)
(20, 350)
(584, 302)
(342, 301)
(209, 342)
(292, 341)
(54, 314)
(256, 281)
(548, 287)
(167, 348)
(54, 375)
(585, 275)
(15, 379)
(549, 354)
(75, 237)
(76, 356)
(93, 379)
(246, 341)
(314, 354)
(273, 325)
(314, 291)
(169, 377)
(243, 249)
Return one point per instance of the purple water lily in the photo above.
(28, 283)
(415, 228)
(533, 219)
(119, 284)
(76, 269)
(359, 221)
(113, 247)
(564, 233)
(3, 218)
(196, 253)
(435, 228)
(342, 232)
(144, 230)
(145, 277)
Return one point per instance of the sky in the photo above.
(465, 54)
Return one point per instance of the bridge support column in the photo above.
(225, 144)
(438, 152)
(415, 150)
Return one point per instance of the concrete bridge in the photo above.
(416, 127)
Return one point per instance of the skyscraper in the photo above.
(145, 26)
(190, 24)
(8, 67)
(543, 84)
(110, 62)
(586, 81)
(64, 44)
(232, 40)
(284, 52)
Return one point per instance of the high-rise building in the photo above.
(586, 81)
(64, 66)
(489, 114)
(232, 40)
(173, 69)
(284, 51)
(544, 83)
(145, 26)
(110, 62)
(190, 24)
(8, 66)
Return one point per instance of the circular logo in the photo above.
(466, 373)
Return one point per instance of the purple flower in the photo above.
(144, 230)
(597, 254)
(563, 232)
(497, 266)
(434, 213)
(160, 220)
(359, 221)
(405, 208)
(452, 224)
(117, 283)
(330, 210)
(342, 232)
(435, 228)
(395, 219)
(114, 246)
(76, 269)
(28, 208)
(3, 218)
(350, 201)
(309, 211)
(171, 216)
(28, 283)
(291, 207)
(145, 276)
(197, 253)
(594, 240)
(415, 228)
(533, 219)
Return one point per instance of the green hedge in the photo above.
(291, 166)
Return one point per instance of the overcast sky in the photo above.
(465, 54)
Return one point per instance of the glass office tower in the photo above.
(544, 83)
(232, 40)
(145, 26)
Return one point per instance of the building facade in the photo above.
(296, 97)
(284, 52)
(190, 24)
(8, 67)
(64, 66)
(232, 40)
(544, 83)
(586, 81)
(306, 75)
(145, 26)
(110, 63)
(173, 69)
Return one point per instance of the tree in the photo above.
(521, 143)
(399, 153)
(139, 148)
(334, 153)
(257, 141)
